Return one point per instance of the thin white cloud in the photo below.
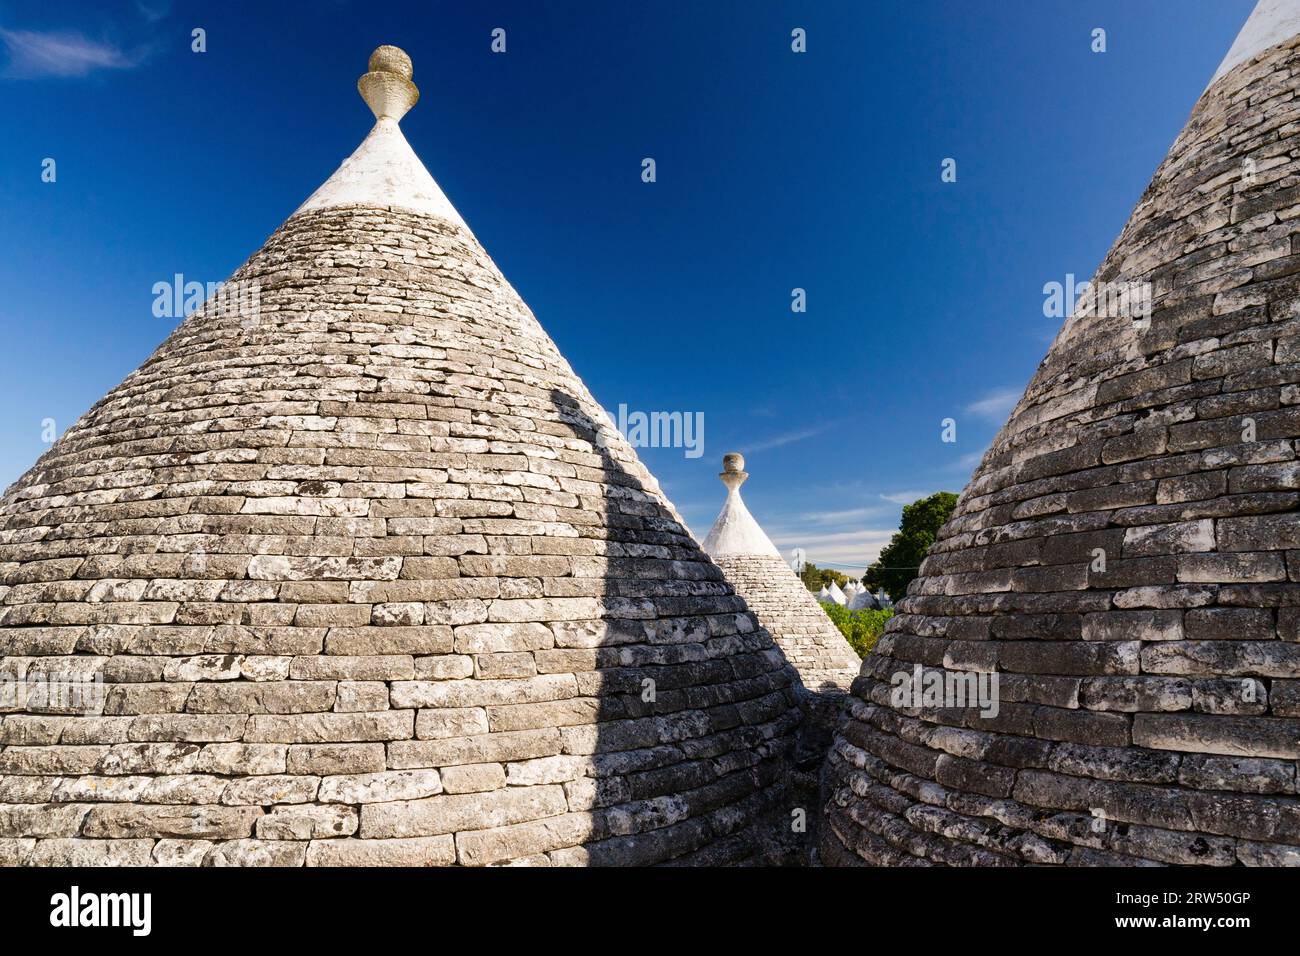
(34, 55)
(847, 551)
(995, 406)
(789, 437)
(968, 462)
(904, 497)
(154, 10)
(835, 517)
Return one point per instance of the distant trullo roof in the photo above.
(370, 578)
(1123, 561)
(810, 641)
(862, 598)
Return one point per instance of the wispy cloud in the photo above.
(847, 551)
(785, 439)
(969, 461)
(904, 497)
(836, 517)
(34, 55)
(154, 10)
(994, 406)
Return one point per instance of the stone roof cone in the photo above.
(754, 566)
(369, 577)
(1119, 560)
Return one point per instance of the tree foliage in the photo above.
(815, 578)
(901, 559)
(860, 628)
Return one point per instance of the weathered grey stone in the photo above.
(1237, 736)
(42, 821)
(307, 823)
(482, 847)
(232, 759)
(263, 791)
(180, 852)
(325, 759)
(257, 853)
(417, 851)
(1248, 774)
(87, 853)
(452, 812)
(331, 728)
(361, 696)
(117, 821)
(557, 769)
(382, 787)
(473, 778)
(451, 722)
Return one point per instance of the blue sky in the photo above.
(775, 170)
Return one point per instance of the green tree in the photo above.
(815, 578)
(860, 628)
(901, 559)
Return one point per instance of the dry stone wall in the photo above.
(1148, 704)
(807, 637)
(365, 586)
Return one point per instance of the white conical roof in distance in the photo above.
(862, 599)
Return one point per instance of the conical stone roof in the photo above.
(754, 566)
(369, 578)
(1124, 558)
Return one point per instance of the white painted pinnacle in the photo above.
(736, 533)
(1271, 22)
(384, 170)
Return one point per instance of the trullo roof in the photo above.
(370, 578)
(810, 641)
(1123, 562)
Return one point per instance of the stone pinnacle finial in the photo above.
(733, 472)
(387, 88)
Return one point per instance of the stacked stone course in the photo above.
(1148, 704)
(753, 565)
(808, 638)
